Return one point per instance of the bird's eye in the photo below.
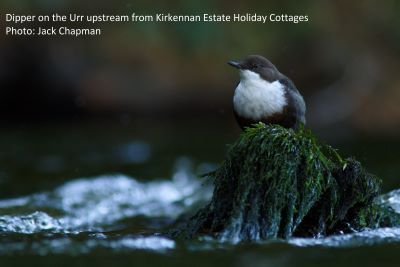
(254, 66)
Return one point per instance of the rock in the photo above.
(277, 183)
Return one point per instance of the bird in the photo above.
(266, 95)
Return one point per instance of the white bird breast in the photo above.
(256, 98)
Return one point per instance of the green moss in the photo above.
(277, 183)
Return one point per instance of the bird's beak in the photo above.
(235, 64)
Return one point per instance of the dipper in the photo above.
(266, 95)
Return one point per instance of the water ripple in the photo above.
(93, 204)
(27, 224)
(367, 237)
(78, 216)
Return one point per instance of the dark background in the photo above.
(344, 60)
(168, 84)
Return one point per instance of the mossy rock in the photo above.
(278, 183)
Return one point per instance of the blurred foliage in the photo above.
(345, 59)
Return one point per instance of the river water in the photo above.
(96, 194)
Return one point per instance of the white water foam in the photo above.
(94, 203)
(367, 237)
(67, 245)
(27, 224)
(392, 199)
